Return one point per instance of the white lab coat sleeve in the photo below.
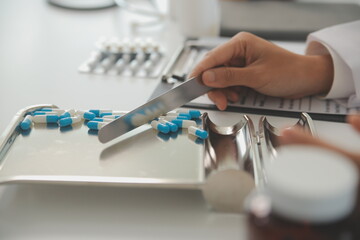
(342, 42)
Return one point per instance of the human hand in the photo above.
(247, 60)
(298, 136)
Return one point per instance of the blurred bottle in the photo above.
(310, 195)
(196, 18)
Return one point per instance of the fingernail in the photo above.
(209, 76)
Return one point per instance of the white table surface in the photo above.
(41, 48)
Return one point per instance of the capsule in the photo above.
(36, 113)
(102, 120)
(184, 123)
(96, 125)
(180, 115)
(103, 114)
(198, 132)
(97, 112)
(45, 109)
(68, 113)
(69, 121)
(50, 118)
(173, 127)
(193, 113)
(160, 126)
(111, 116)
(86, 115)
(26, 123)
(51, 110)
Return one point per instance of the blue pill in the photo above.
(105, 114)
(26, 123)
(45, 109)
(96, 112)
(184, 116)
(173, 127)
(40, 113)
(96, 125)
(184, 123)
(52, 118)
(194, 113)
(69, 121)
(198, 132)
(160, 126)
(99, 112)
(65, 115)
(65, 122)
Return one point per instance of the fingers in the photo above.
(221, 97)
(233, 50)
(223, 77)
(354, 120)
(299, 136)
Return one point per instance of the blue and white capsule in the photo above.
(58, 113)
(173, 127)
(64, 122)
(102, 119)
(180, 115)
(111, 116)
(45, 109)
(200, 133)
(98, 112)
(184, 123)
(68, 113)
(86, 115)
(110, 113)
(96, 125)
(193, 113)
(26, 123)
(49, 118)
(160, 126)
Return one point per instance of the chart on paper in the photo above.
(252, 99)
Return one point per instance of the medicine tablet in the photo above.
(110, 113)
(184, 123)
(46, 113)
(86, 115)
(111, 116)
(26, 123)
(96, 125)
(198, 132)
(97, 112)
(173, 127)
(102, 119)
(69, 121)
(193, 113)
(160, 126)
(180, 115)
(68, 113)
(50, 118)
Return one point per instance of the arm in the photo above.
(342, 43)
(250, 61)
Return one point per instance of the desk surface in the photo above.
(41, 47)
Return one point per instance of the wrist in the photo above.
(320, 73)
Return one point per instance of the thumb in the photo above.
(223, 77)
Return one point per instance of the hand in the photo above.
(297, 136)
(247, 60)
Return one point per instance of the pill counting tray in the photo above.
(140, 158)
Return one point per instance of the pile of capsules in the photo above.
(169, 123)
(138, 57)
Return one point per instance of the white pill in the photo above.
(184, 123)
(198, 132)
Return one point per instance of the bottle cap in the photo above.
(308, 183)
